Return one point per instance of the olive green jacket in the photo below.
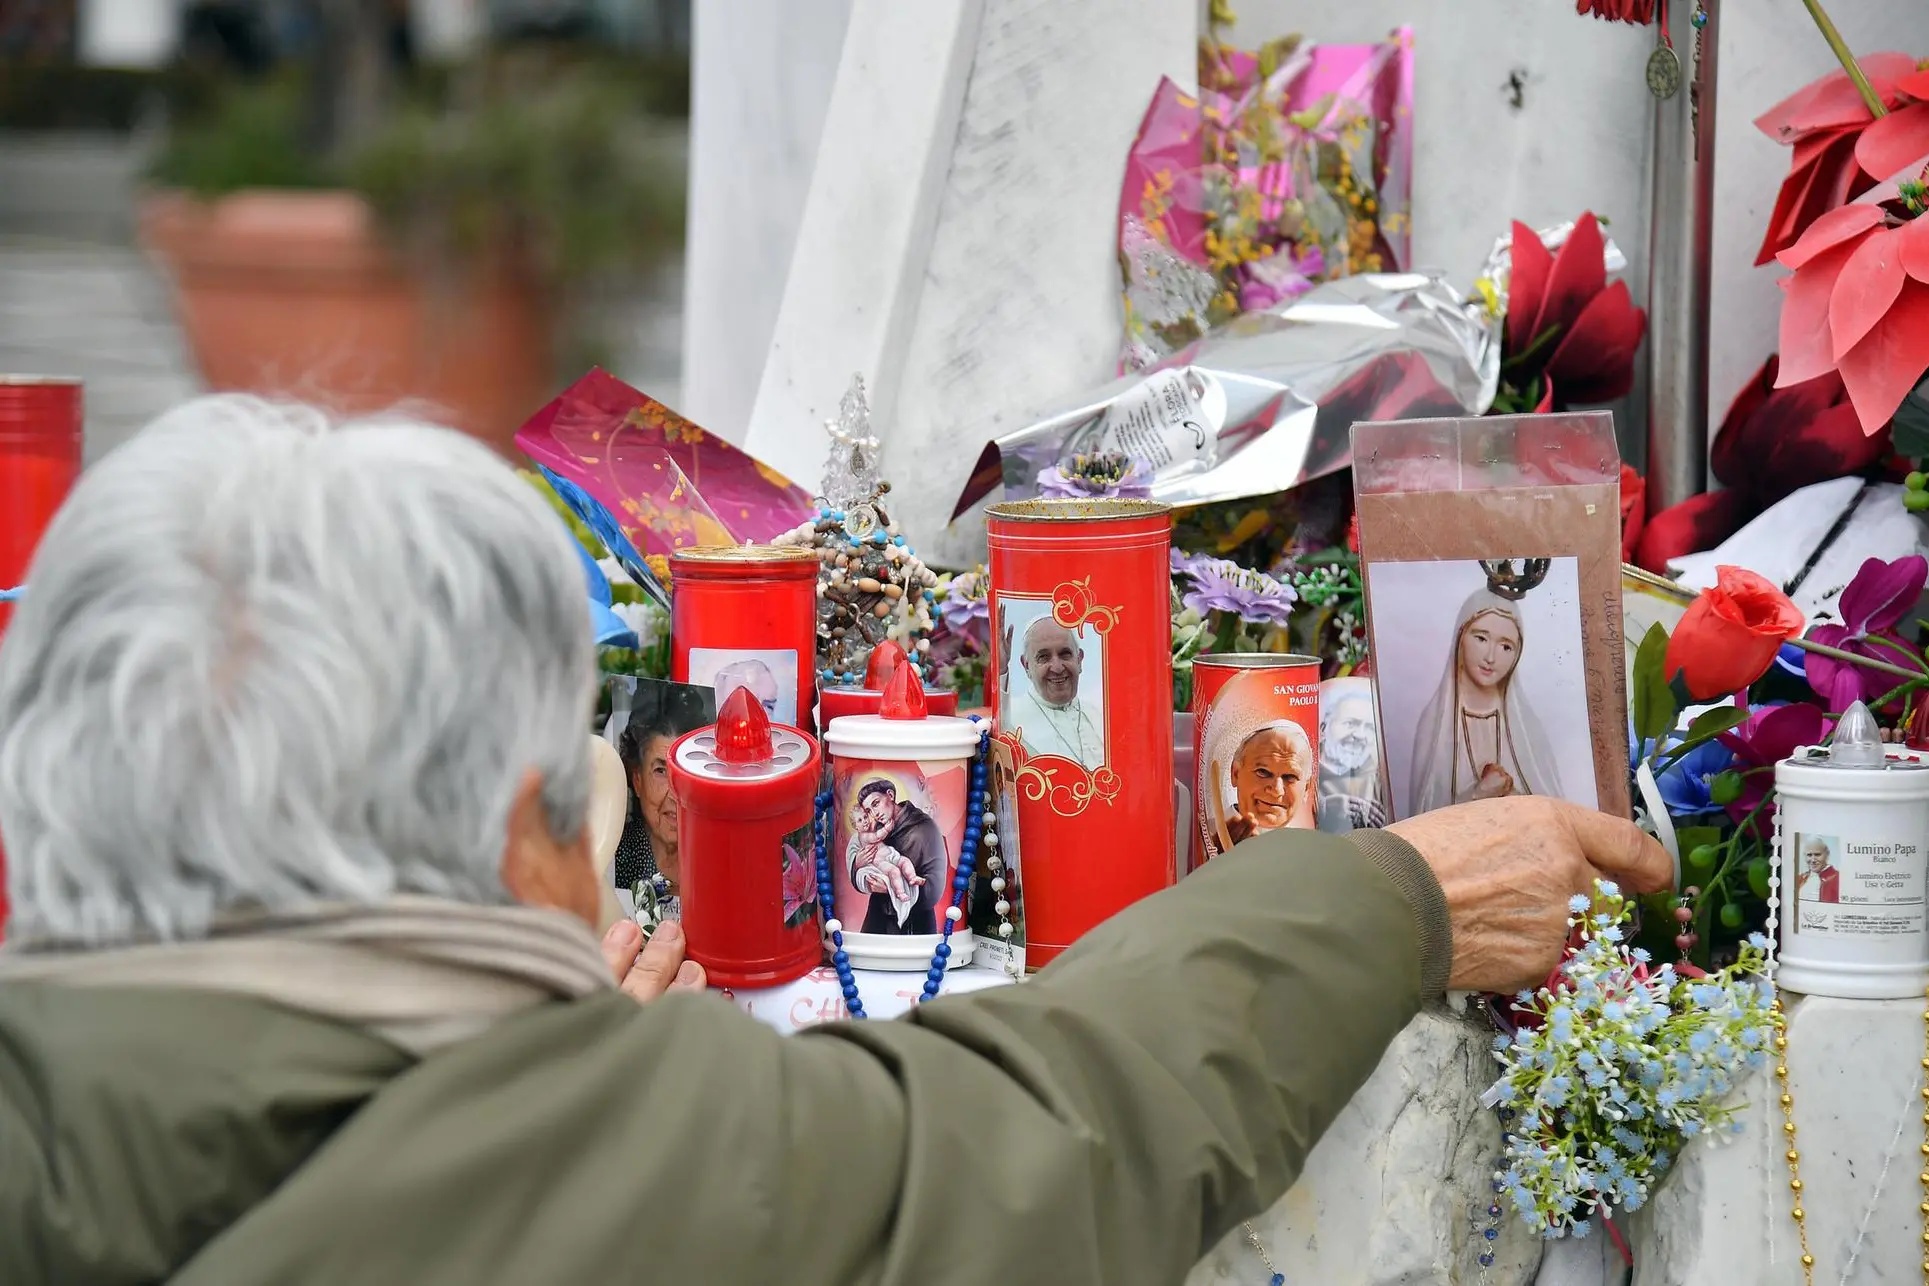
(1105, 1123)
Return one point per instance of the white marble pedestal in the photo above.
(1723, 1215)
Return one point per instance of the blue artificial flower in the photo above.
(1610, 934)
(1614, 1011)
(1578, 904)
(1756, 1059)
(1581, 1229)
(1701, 1042)
(1501, 1043)
(1690, 1128)
(1665, 1098)
(1686, 784)
(1608, 888)
(1641, 955)
(1596, 1078)
(1560, 1016)
(1585, 1060)
(1758, 942)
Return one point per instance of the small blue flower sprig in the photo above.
(1614, 1067)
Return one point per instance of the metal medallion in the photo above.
(1664, 73)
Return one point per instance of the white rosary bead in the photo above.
(998, 884)
(1005, 930)
(953, 914)
(988, 817)
(833, 926)
(1003, 907)
(991, 839)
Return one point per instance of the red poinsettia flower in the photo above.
(1568, 327)
(1634, 510)
(1891, 145)
(1697, 523)
(1771, 443)
(1730, 635)
(1824, 123)
(1858, 303)
(1638, 12)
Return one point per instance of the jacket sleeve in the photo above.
(1110, 1120)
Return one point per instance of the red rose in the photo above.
(1729, 638)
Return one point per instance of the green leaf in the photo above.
(1654, 703)
(1910, 428)
(1714, 721)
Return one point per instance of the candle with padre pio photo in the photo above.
(1255, 733)
(900, 799)
(1080, 681)
(745, 616)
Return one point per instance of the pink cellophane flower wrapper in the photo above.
(669, 484)
(1182, 197)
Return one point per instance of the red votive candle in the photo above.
(1084, 704)
(40, 438)
(744, 790)
(836, 702)
(746, 615)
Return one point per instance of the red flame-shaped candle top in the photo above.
(885, 660)
(903, 695)
(743, 730)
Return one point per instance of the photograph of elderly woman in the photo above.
(655, 714)
(1483, 688)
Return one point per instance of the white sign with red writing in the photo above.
(817, 997)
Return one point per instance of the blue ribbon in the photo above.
(603, 525)
(9, 595)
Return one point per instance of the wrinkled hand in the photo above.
(647, 970)
(1508, 868)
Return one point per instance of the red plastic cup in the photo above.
(40, 438)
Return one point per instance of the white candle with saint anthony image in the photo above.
(1853, 870)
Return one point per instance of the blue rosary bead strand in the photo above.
(840, 960)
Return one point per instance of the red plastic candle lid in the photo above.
(742, 745)
(903, 695)
(743, 730)
(886, 659)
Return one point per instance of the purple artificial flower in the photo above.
(1278, 277)
(1770, 735)
(1871, 607)
(965, 609)
(1102, 475)
(1220, 585)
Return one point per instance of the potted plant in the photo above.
(433, 261)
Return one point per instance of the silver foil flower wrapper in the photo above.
(1268, 400)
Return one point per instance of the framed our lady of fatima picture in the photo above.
(1491, 553)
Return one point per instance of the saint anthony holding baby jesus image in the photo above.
(896, 856)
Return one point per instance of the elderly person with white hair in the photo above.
(300, 989)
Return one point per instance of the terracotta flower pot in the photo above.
(295, 294)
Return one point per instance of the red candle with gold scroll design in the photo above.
(1081, 687)
(745, 791)
(746, 616)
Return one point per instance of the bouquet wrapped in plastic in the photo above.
(1291, 167)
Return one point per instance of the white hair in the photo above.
(263, 663)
